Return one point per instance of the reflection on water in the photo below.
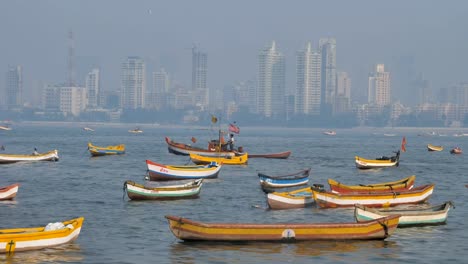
(184, 252)
(62, 254)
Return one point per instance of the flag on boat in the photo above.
(234, 128)
(403, 144)
(214, 119)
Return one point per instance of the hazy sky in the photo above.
(432, 34)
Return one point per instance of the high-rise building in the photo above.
(199, 77)
(93, 88)
(379, 91)
(343, 93)
(14, 87)
(65, 99)
(133, 86)
(327, 47)
(271, 83)
(161, 82)
(308, 82)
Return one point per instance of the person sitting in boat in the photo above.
(35, 153)
(231, 142)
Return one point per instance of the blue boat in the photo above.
(281, 181)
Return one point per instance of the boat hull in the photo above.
(189, 230)
(279, 155)
(104, 151)
(9, 192)
(185, 191)
(24, 239)
(289, 200)
(160, 172)
(434, 148)
(185, 150)
(400, 185)
(422, 216)
(362, 163)
(228, 160)
(413, 196)
(12, 158)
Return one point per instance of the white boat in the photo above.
(12, 158)
(329, 133)
(88, 129)
(135, 131)
(5, 128)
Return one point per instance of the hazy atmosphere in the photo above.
(34, 34)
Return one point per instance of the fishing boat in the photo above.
(382, 162)
(298, 198)
(108, 150)
(184, 149)
(7, 128)
(416, 195)
(288, 180)
(136, 131)
(8, 192)
(160, 172)
(137, 191)
(456, 150)
(423, 215)
(51, 235)
(189, 230)
(278, 155)
(400, 185)
(12, 158)
(88, 129)
(330, 133)
(240, 159)
(434, 148)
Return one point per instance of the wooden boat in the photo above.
(373, 199)
(189, 230)
(12, 158)
(8, 192)
(299, 198)
(137, 191)
(109, 150)
(279, 155)
(7, 128)
(227, 160)
(136, 131)
(288, 180)
(160, 172)
(184, 149)
(456, 150)
(434, 148)
(412, 216)
(400, 185)
(54, 234)
(382, 162)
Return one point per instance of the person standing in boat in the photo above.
(35, 153)
(231, 142)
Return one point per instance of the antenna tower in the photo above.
(71, 59)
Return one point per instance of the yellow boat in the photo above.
(225, 160)
(109, 150)
(434, 148)
(54, 234)
(400, 185)
(383, 162)
(12, 158)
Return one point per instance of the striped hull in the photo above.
(279, 183)
(428, 215)
(235, 160)
(372, 164)
(185, 150)
(140, 192)
(414, 196)
(12, 158)
(159, 172)
(289, 200)
(9, 192)
(186, 229)
(24, 239)
(96, 153)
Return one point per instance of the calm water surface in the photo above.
(117, 230)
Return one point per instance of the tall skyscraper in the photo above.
(308, 82)
(271, 83)
(161, 82)
(199, 77)
(133, 86)
(14, 87)
(343, 93)
(93, 88)
(379, 92)
(327, 47)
